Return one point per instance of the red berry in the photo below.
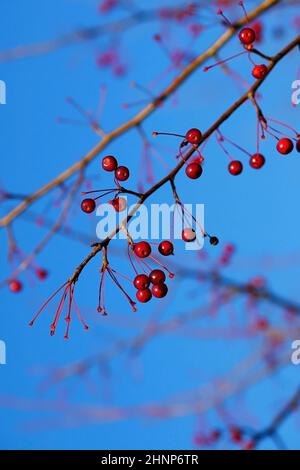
(109, 163)
(157, 276)
(41, 274)
(257, 161)
(166, 248)
(159, 290)
(247, 36)
(141, 282)
(15, 286)
(285, 146)
(119, 204)
(214, 241)
(235, 167)
(193, 170)
(298, 145)
(188, 234)
(122, 173)
(142, 249)
(193, 136)
(144, 295)
(260, 71)
(88, 205)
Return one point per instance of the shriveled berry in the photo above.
(188, 234)
(235, 167)
(257, 161)
(159, 290)
(247, 36)
(193, 170)
(142, 249)
(298, 145)
(88, 205)
(109, 163)
(15, 286)
(285, 146)
(260, 71)
(193, 136)
(157, 276)
(166, 248)
(122, 173)
(119, 204)
(144, 295)
(141, 281)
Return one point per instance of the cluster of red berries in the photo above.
(110, 164)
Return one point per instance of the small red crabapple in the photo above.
(122, 173)
(193, 170)
(159, 290)
(15, 286)
(236, 434)
(298, 145)
(109, 163)
(141, 282)
(193, 136)
(247, 36)
(285, 146)
(260, 71)
(119, 204)
(157, 276)
(235, 167)
(257, 161)
(142, 249)
(188, 235)
(166, 248)
(144, 295)
(88, 205)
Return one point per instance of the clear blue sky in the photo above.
(257, 211)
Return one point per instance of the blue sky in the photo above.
(258, 212)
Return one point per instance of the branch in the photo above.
(139, 117)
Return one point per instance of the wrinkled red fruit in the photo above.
(285, 146)
(159, 291)
(235, 167)
(260, 71)
(144, 295)
(166, 248)
(41, 274)
(15, 286)
(247, 36)
(298, 145)
(193, 170)
(142, 249)
(109, 163)
(257, 161)
(122, 173)
(157, 276)
(193, 136)
(141, 282)
(88, 205)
